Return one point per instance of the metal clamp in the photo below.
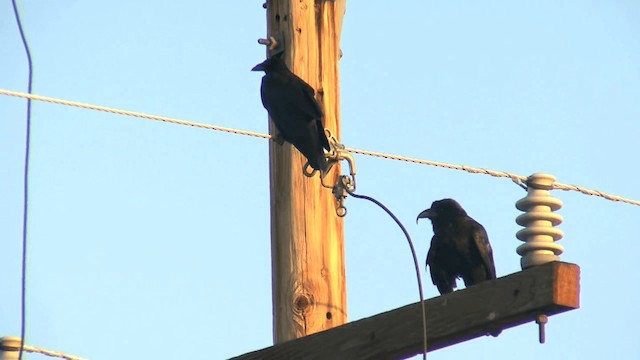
(340, 192)
(345, 183)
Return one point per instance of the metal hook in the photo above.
(338, 153)
(341, 211)
(306, 172)
(341, 190)
(345, 183)
(341, 194)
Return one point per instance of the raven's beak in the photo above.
(259, 67)
(428, 214)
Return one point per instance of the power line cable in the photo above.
(51, 353)
(133, 114)
(415, 263)
(23, 282)
(518, 179)
(10, 345)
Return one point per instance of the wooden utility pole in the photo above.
(308, 273)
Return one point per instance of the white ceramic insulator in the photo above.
(9, 346)
(539, 221)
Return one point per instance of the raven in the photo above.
(459, 247)
(294, 110)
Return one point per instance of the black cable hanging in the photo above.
(413, 253)
(23, 284)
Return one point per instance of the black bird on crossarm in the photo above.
(459, 247)
(292, 106)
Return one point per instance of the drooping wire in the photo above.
(140, 115)
(517, 179)
(50, 353)
(415, 262)
(23, 281)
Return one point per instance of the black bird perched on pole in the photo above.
(292, 106)
(459, 247)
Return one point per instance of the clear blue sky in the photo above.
(151, 241)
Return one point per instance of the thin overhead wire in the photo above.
(50, 353)
(469, 169)
(133, 114)
(518, 179)
(23, 282)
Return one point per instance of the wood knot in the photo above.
(302, 304)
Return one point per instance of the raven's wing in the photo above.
(314, 109)
(290, 103)
(429, 263)
(311, 97)
(296, 113)
(481, 241)
(439, 277)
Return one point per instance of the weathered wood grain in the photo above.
(308, 275)
(462, 315)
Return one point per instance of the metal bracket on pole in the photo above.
(345, 182)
